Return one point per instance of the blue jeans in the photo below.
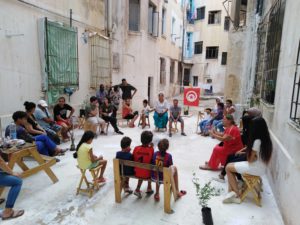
(219, 125)
(160, 121)
(45, 145)
(202, 125)
(15, 183)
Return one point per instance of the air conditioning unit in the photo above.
(166, 1)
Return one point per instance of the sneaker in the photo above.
(57, 160)
(183, 134)
(170, 134)
(231, 197)
(218, 179)
(119, 132)
(138, 193)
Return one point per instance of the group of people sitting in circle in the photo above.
(142, 154)
(246, 151)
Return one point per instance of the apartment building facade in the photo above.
(146, 46)
(264, 70)
(206, 39)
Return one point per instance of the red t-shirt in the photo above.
(235, 144)
(126, 111)
(143, 154)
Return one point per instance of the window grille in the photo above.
(224, 58)
(198, 47)
(214, 17)
(212, 52)
(201, 13)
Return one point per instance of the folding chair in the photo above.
(254, 185)
(90, 186)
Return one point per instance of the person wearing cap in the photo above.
(45, 120)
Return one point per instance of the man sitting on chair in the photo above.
(92, 114)
(175, 116)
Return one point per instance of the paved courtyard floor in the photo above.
(47, 203)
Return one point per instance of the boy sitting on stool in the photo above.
(175, 116)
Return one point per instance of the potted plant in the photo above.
(186, 111)
(83, 106)
(204, 194)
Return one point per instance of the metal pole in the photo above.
(71, 13)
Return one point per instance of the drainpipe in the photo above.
(182, 48)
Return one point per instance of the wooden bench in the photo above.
(252, 184)
(168, 181)
(90, 186)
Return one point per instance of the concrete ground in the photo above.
(47, 203)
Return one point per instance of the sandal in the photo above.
(2, 200)
(205, 167)
(149, 192)
(128, 191)
(138, 193)
(156, 197)
(14, 214)
(181, 193)
(101, 180)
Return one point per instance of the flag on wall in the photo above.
(191, 96)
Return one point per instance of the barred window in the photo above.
(212, 52)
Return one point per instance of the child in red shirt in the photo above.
(163, 159)
(143, 154)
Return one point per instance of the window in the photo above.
(162, 77)
(195, 81)
(163, 21)
(269, 37)
(259, 7)
(189, 45)
(173, 35)
(214, 17)
(201, 13)
(198, 47)
(100, 61)
(295, 104)
(212, 52)
(172, 71)
(61, 57)
(134, 15)
(227, 23)
(224, 58)
(152, 20)
(240, 13)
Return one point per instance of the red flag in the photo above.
(191, 96)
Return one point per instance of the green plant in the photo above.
(85, 102)
(205, 192)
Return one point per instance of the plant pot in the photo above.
(186, 112)
(206, 216)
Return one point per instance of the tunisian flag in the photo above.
(191, 96)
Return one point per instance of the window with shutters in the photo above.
(195, 81)
(152, 20)
(227, 23)
(198, 47)
(212, 52)
(172, 71)
(214, 17)
(224, 58)
(134, 15)
(163, 21)
(173, 35)
(201, 13)
(162, 77)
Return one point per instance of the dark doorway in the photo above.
(186, 77)
(150, 89)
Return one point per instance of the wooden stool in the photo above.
(81, 122)
(147, 121)
(175, 129)
(90, 126)
(90, 186)
(254, 185)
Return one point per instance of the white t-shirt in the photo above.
(146, 110)
(161, 107)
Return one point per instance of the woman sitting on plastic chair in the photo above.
(161, 112)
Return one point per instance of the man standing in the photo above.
(175, 116)
(101, 94)
(60, 113)
(127, 90)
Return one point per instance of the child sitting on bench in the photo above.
(143, 154)
(127, 170)
(163, 159)
(85, 157)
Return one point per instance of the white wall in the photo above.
(20, 70)
(211, 35)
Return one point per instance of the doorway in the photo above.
(186, 77)
(150, 90)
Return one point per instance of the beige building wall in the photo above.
(20, 66)
(211, 35)
(137, 53)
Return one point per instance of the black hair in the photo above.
(116, 88)
(145, 101)
(229, 101)
(209, 109)
(221, 104)
(259, 130)
(88, 135)
(125, 142)
(163, 146)
(19, 115)
(93, 98)
(123, 79)
(146, 137)
(29, 105)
